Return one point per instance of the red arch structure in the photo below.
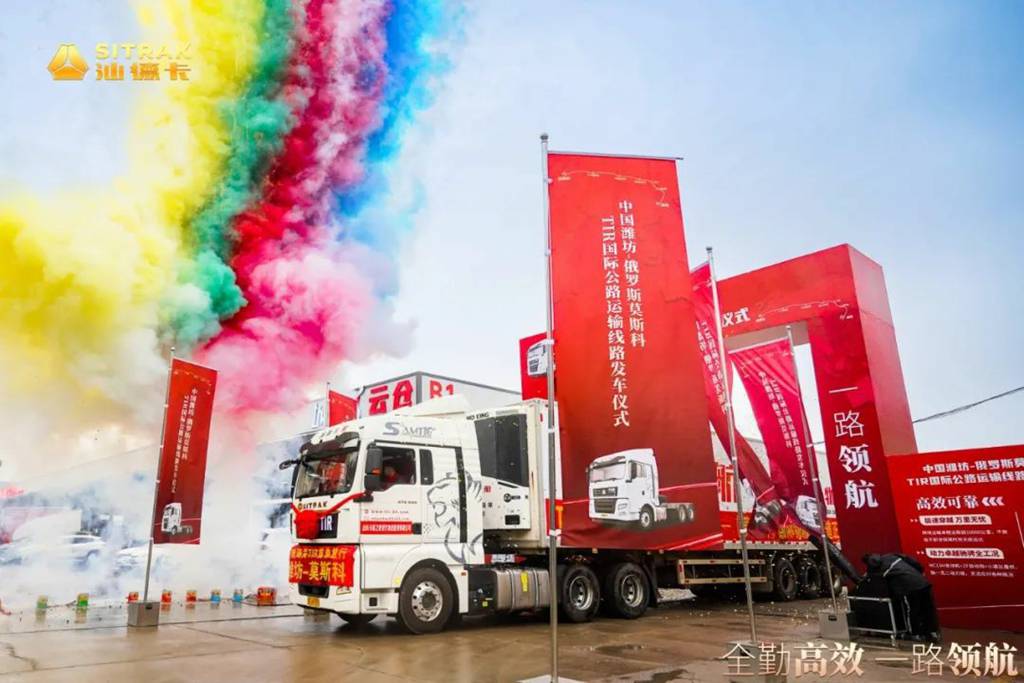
(836, 301)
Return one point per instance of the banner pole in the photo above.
(741, 527)
(818, 495)
(156, 484)
(327, 405)
(552, 435)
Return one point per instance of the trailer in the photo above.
(434, 511)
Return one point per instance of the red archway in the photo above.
(836, 301)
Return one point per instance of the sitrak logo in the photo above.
(67, 64)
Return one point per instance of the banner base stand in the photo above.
(143, 614)
(834, 626)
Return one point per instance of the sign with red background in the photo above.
(532, 386)
(625, 352)
(340, 408)
(960, 513)
(179, 500)
(322, 565)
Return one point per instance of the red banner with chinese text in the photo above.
(751, 468)
(768, 373)
(322, 565)
(340, 408)
(961, 513)
(179, 500)
(635, 440)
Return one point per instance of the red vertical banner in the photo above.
(533, 379)
(768, 373)
(716, 387)
(179, 499)
(340, 408)
(637, 465)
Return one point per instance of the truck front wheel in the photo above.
(579, 593)
(425, 601)
(625, 591)
(646, 517)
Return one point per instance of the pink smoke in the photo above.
(306, 301)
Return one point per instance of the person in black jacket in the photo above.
(910, 590)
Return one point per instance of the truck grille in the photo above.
(604, 505)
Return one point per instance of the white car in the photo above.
(166, 558)
(78, 548)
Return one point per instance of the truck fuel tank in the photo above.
(508, 589)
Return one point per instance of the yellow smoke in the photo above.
(81, 273)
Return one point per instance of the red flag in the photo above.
(179, 500)
(768, 373)
(626, 358)
(340, 408)
(750, 465)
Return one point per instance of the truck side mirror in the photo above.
(288, 463)
(374, 463)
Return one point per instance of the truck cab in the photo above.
(624, 489)
(392, 495)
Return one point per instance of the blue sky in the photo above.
(896, 127)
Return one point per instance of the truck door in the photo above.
(643, 481)
(444, 500)
(393, 515)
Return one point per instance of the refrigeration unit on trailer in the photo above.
(434, 511)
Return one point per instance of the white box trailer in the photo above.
(436, 510)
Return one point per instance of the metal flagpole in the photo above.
(741, 527)
(818, 496)
(156, 485)
(327, 405)
(553, 530)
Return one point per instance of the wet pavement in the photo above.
(680, 641)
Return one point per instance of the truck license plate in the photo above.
(313, 601)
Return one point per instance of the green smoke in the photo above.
(258, 120)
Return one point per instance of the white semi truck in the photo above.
(624, 489)
(430, 512)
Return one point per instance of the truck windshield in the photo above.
(327, 473)
(608, 472)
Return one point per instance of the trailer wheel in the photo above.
(646, 517)
(785, 580)
(425, 601)
(357, 620)
(579, 595)
(625, 591)
(810, 580)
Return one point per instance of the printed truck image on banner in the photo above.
(961, 513)
(637, 466)
(768, 373)
(183, 461)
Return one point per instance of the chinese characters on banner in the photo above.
(715, 388)
(768, 374)
(340, 408)
(623, 304)
(179, 501)
(961, 513)
(321, 565)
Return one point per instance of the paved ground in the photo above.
(681, 641)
